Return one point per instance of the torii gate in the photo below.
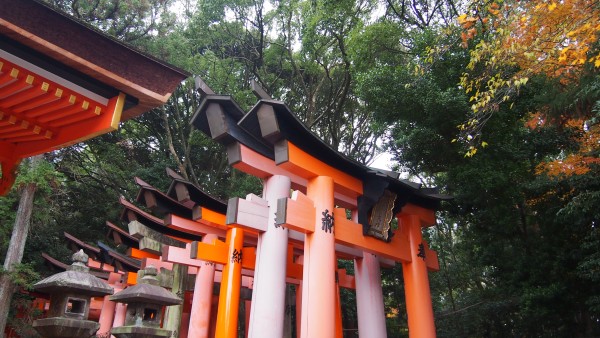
(270, 143)
(160, 234)
(176, 253)
(208, 220)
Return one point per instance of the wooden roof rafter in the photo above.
(38, 114)
(66, 84)
(34, 107)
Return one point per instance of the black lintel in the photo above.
(218, 117)
(133, 213)
(159, 202)
(112, 256)
(185, 191)
(120, 236)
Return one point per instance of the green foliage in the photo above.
(8, 206)
(43, 175)
(22, 275)
(511, 239)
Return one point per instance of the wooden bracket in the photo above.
(296, 213)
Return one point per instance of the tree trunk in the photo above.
(16, 246)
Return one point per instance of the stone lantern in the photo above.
(145, 302)
(70, 296)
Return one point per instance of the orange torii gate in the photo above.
(170, 230)
(164, 203)
(269, 142)
(210, 222)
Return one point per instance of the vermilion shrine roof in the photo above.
(62, 82)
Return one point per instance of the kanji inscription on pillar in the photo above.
(421, 252)
(236, 257)
(327, 221)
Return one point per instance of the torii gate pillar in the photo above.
(268, 294)
(318, 284)
(108, 308)
(416, 281)
(229, 296)
(202, 299)
(369, 297)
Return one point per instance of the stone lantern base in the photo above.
(60, 327)
(139, 332)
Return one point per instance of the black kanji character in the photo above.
(327, 221)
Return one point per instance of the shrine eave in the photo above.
(63, 82)
(78, 46)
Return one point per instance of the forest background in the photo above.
(495, 102)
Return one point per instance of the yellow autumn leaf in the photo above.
(462, 18)
(552, 6)
(597, 63)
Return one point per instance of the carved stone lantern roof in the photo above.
(147, 291)
(76, 278)
(70, 297)
(145, 301)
